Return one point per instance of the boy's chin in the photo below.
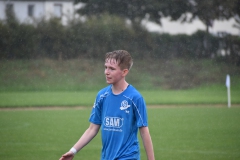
(108, 82)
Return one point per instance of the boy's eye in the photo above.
(112, 68)
(109, 68)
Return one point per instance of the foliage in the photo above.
(97, 35)
(51, 39)
(237, 16)
(136, 11)
(208, 11)
(17, 41)
(154, 10)
(11, 19)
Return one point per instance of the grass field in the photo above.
(46, 82)
(212, 95)
(87, 74)
(183, 133)
(195, 123)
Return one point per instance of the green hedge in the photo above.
(98, 35)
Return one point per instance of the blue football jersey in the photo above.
(120, 116)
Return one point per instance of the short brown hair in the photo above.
(122, 57)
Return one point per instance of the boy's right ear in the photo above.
(125, 72)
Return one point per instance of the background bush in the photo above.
(98, 35)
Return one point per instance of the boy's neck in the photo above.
(119, 88)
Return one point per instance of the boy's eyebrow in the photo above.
(109, 66)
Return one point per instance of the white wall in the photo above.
(41, 9)
(2, 10)
(21, 10)
(67, 9)
(176, 27)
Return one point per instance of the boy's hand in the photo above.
(67, 156)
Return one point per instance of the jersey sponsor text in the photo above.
(114, 122)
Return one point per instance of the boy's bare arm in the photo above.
(147, 142)
(87, 136)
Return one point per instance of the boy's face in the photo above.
(113, 71)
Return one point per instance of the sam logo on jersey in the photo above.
(114, 122)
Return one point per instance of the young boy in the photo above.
(119, 110)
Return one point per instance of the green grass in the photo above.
(47, 82)
(204, 95)
(50, 75)
(196, 133)
(31, 99)
(182, 133)
(87, 74)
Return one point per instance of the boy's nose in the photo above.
(106, 71)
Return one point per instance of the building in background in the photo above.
(27, 11)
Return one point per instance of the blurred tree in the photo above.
(153, 10)
(185, 10)
(208, 11)
(16, 39)
(237, 16)
(51, 39)
(11, 19)
(136, 10)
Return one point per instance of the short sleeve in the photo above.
(95, 116)
(140, 111)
